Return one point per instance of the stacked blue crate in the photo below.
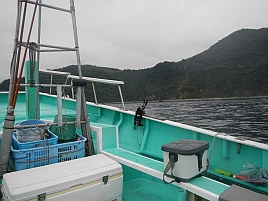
(38, 153)
(40, 156)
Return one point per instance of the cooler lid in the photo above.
(185, 146)
(27, 184)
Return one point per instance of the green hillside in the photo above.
(236, 66)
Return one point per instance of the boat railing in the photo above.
(89, 79)
(44, 125)
(55, 73)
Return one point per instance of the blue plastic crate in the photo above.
(40, 156)
(53, 139)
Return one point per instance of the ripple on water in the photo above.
(246, 117)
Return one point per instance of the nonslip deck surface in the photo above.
(145, 189)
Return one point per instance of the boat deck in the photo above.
(145, 189)
(146, 183)
(203, 186)
(47, 110)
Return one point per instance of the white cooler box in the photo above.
(190, 157)
(91, 178)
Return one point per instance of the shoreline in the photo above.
(198, 99)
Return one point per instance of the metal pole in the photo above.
(51, 80)
(59, 96)
(94, 91)
(37, 105)
(120, 92)
(49, 6)
(72, 89)
(86, 131)
(16, 68)
(24, 56)
(15, 50)
(76, 38)
(10, 118)
(39, 38)
(86, 126)
(6, 143)
(51, 46)
(78, 107)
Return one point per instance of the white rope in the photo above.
(212, 147)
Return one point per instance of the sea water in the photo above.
(247, 117)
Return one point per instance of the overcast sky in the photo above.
(128, 34)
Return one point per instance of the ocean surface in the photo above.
(247, 117)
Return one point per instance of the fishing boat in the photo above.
(61, 147)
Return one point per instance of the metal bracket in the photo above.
(105, 179)
(41, 197)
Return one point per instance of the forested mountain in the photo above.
(236, 66)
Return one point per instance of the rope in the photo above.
(212, 147)
(170, 166)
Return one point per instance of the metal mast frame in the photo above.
(10, 118)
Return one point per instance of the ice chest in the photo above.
(190, 158)
(91, 178)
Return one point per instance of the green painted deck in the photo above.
(48, 110)
(145, 189)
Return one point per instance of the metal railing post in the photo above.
(94, 91)
(121, 96)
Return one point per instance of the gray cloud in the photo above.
(128, 34)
